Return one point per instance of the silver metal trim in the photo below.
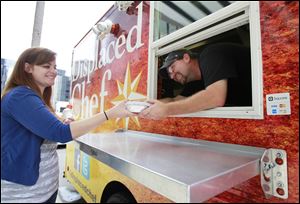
(183, 170)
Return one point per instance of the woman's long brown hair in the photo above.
(19, 77)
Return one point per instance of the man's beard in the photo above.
(180, 78)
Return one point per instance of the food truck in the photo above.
(238, 153)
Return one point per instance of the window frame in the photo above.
(161, 47)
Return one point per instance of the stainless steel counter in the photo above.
(183, 170)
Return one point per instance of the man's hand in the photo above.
(157, 111)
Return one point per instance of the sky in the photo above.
(64, 24)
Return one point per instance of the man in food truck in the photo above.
(219, 75)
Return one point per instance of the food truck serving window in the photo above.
(196, 25)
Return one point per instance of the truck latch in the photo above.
(274, 173)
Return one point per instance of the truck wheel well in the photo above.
(116, 187)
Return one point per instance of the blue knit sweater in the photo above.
(25, 123)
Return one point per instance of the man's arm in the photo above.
(176, 98)
(213, 96)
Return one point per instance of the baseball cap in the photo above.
(170, 59)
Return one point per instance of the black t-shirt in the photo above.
(225, 61)
(192, 88)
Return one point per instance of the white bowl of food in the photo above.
(136, 106)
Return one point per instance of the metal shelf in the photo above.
(183, 170)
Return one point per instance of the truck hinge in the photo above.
(273, 173)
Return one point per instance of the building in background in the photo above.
(61, 89)
(6, 69)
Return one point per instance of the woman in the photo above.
(30, 129)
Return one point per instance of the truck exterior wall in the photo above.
(280, 50)
(127, 79)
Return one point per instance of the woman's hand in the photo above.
(68, 121)
(119, 111)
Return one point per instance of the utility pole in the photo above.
(38, 24)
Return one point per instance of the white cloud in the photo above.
(65, 23)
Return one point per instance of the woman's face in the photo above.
(44, 74)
